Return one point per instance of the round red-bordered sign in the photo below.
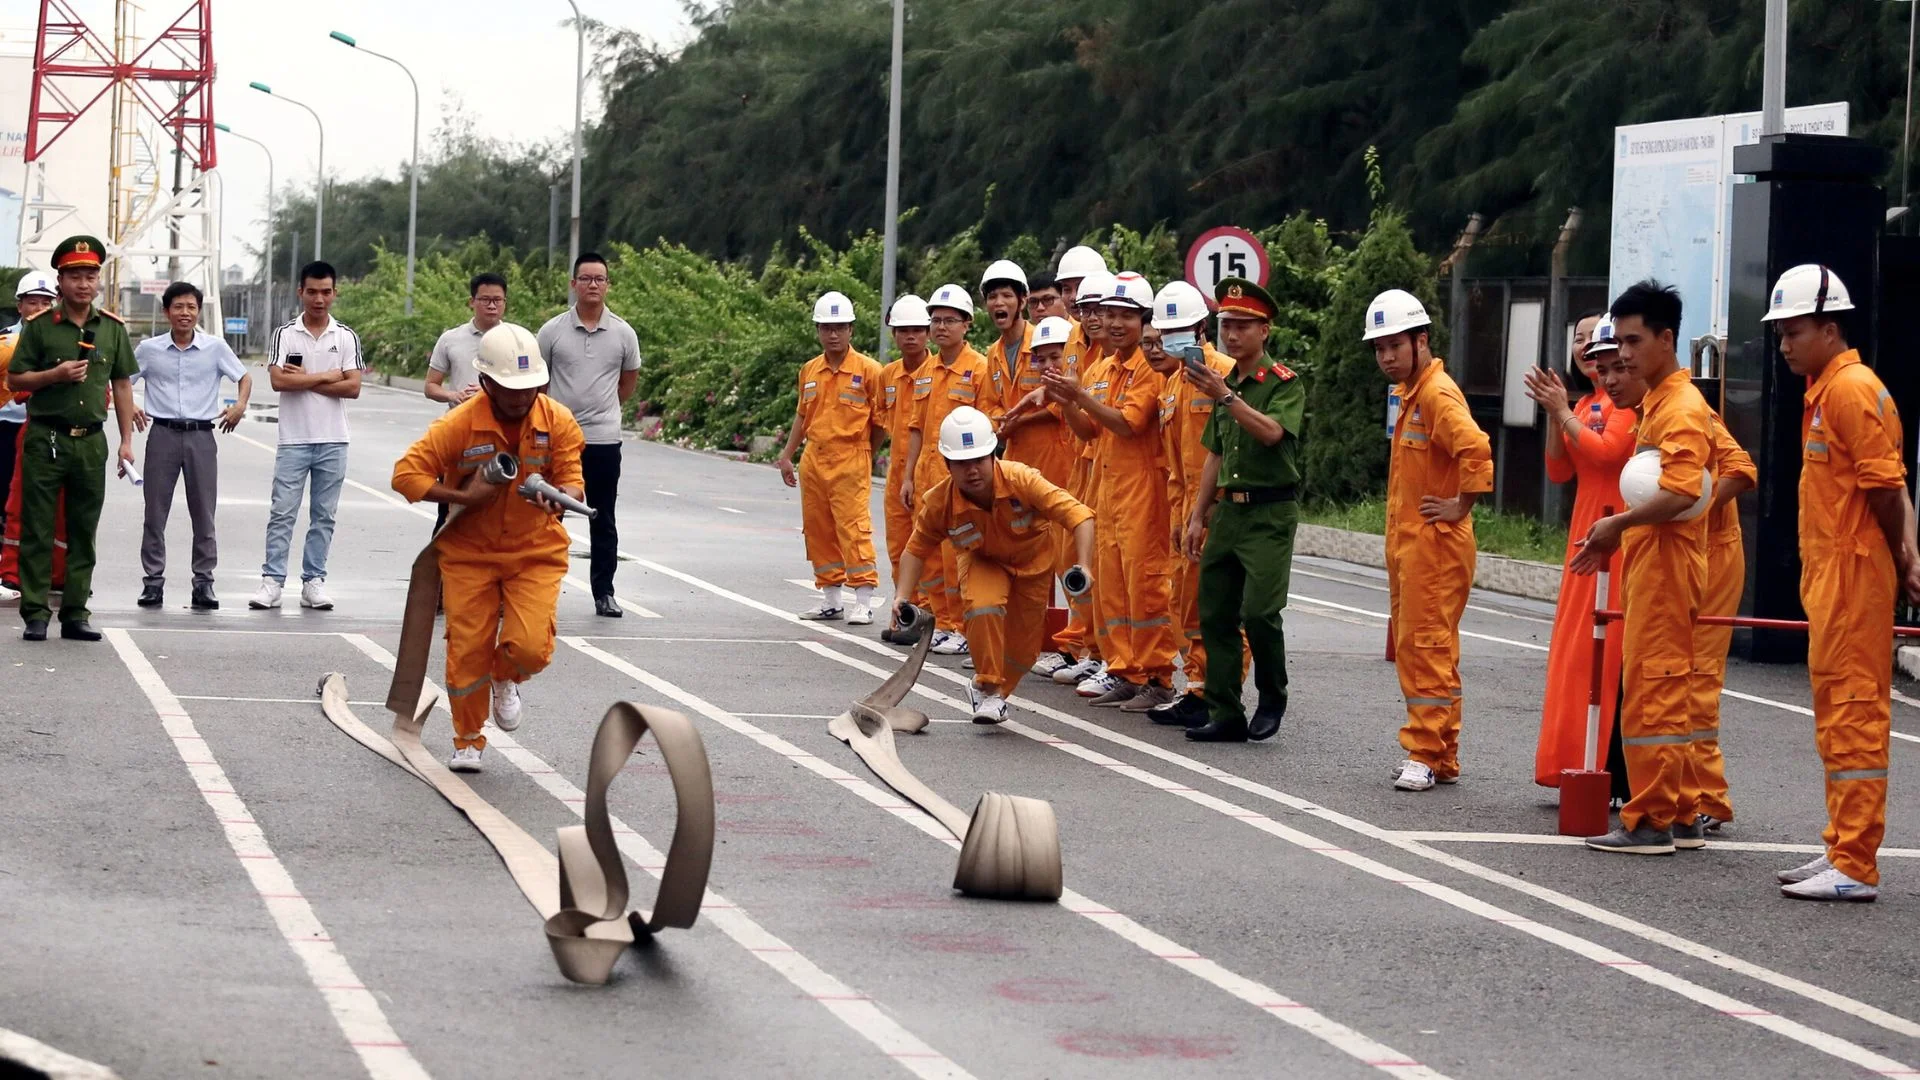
(1228, 251)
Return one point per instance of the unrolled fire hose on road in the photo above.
(1010, 849)
(582, 894)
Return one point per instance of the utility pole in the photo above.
(890, 258)
(1773, 71)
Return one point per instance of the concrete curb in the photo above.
(39, 1059)
(1494, 573)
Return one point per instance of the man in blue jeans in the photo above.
(314, 365)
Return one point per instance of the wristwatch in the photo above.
(1229, 398)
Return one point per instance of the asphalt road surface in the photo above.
(201, 877)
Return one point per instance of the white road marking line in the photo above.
(729, 509)
(858, 1011)
(354, 1007)
(668, 494)
(695, 640)
(816, 716)
(1779, 980)
(242, 633)
(1382, 616)
(1297, 572)
(268, 700)
(1443, 837)
(1907, 737)
(41, 1059)
(1804, 1034)
(1333, 1033)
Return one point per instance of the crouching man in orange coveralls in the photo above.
(501, 556)
(1000, 517)
(1857, 553)
(1442, 462)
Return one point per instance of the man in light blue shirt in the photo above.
(181, 373)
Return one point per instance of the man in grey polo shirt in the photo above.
(450, 374)
(594, 359)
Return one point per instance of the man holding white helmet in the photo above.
(1663, 544)
(839, 415)
(960, 376)
(1857, 555)
(1441, 464)
(908, 321)
(1001, 520)
(501, 555)
(34, 294)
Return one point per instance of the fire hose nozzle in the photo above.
(535, 486)
(501, 469)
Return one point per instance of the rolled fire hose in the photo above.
(582, 894)
(1010, 849)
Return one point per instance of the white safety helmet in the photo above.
(966, 434)
(952, 296)
(1130, 290)
(1052, 330)
(1003, 270)
(833, 307)
(1640, 478)
(1603, 339)
(510, 355)
(1081, 261)
(1179, 306)
(35, 283)
(1094, 287)
(1395, 311)
(909, 312)
(1807, 289)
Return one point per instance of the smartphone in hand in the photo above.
(297, 360)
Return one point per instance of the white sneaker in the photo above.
(967, 663)
(268, 596)
(313, 594)
(506, 705)
(1414, 777)
(990, 710)
(948, 643)
(1831, 884)
(465, 759)
(9, 597)
(823, 613)
(1077, 672)
(1051, 662)
(859, 615)
(1804, 871)
(1097, 685)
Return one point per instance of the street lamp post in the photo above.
(266, 265)
(413, 170)
(579, 107)
(889, 260)
(320, 168)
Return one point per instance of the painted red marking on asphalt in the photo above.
(770, 828)
(818, 862)
(743, 798)
(1044, 991)
(1115, 1046)
(901, 902)
(980, 944)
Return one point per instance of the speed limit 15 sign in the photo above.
(1228, 251)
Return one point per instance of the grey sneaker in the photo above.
(1122, 690)
(1712, 824)
(1151, 696)
(1645, 840)
(1689, 835)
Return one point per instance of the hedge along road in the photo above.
(1232, 911)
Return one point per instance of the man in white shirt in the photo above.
(181, 372)
(594, 358)
(450, 374)
(314, 365)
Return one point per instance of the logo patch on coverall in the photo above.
(477, 451)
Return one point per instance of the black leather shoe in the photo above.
(605, 605)
(151, 596)
(1266, 720)
(36, 630)
(1214, 731)
(203, 598)
(1189, 711)
(79, 631)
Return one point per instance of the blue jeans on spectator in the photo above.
(322, 469)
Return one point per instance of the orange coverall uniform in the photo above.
(1004, 559)
(1132, 599)
(500, 562)
(1850, 432)
(1703, 786)
(1183, 416)
(1595, 457)
(1665, 571)
(1082, 360)
(896, 416)
(10, 543)
(938, 389)
(837, 417)
(1437, 450)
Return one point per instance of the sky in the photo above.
(509, 64)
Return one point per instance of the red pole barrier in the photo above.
(1755, 624)
(1585, 793)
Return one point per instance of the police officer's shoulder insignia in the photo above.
(39, 314)
(1286, 373)
(111, 315)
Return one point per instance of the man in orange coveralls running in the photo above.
(1442, 462)
(908, 320)
(501, 556)
(1857, 554)
(1001, 516)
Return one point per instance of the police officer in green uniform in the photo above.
(1248, 486)
(67, 358)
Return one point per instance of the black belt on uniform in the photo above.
(1259, 495)
(74, 431)
(184, 425)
